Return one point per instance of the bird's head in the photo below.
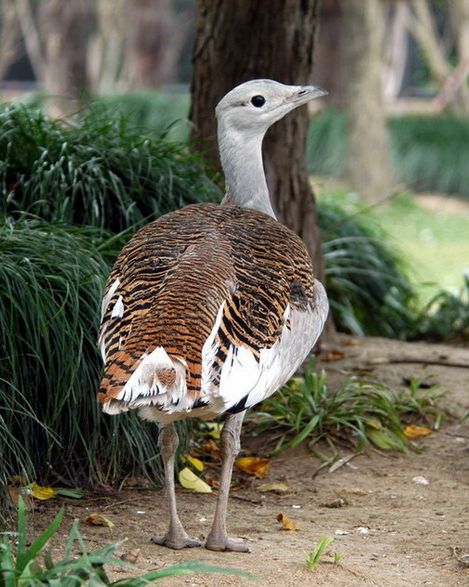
(252, 107)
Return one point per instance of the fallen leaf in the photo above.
(214, 429)
(352, 491)
(257, 466)
(211, 448)
(213, 483)
(39, 492)
(332, 355)
(131, 556)
(189, 480)
(414, 432)
(287, 523)
(195, 462)
(339, 502)
(279, 488)
(98, 520)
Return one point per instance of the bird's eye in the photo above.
(258, 101)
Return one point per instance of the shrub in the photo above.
(368, 290)
(101, 171)
(428, 153)
(51, 280)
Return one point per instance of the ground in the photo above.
(391, 531)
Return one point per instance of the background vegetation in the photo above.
(72, 194)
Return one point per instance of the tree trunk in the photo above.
(63, 28)
(368, 160)
(244, 39)
(155, 43)
(9, 36)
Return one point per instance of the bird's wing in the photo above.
(197, 306)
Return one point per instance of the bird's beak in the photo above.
(304, 94)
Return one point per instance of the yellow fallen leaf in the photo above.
(287, 523)
(189, 480)
(279, 488)
(195, 462)
(98, 520)
(257, 466)
(414, 432)
(40, 492)
(215, 429)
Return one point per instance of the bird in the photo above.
(212, 308)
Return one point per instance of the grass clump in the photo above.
(314, 557)
(101, 171)
(23, 566)
(446, 316)
(51, 279)
(358, 412)
(368, 289)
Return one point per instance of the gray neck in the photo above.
(241, 159)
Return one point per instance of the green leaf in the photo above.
(36, 547)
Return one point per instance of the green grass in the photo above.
(368, 287)
(24, 563)
(435, 243)
(51, 279)
(359, 412)
(314, 557)
(428, 153)
(100, 171)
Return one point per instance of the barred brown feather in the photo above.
(174, 276)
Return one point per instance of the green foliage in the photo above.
(23, 566)
(153, 112)
(100, 172)
(368, 289)
(446, 317)
(51, 279)
(315, 555)
(429, 153)
(360, 411)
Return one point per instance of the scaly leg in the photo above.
(176, 537)
(230, 445)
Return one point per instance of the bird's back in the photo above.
(196, 295)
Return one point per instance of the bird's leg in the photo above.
(230, 445)
(176, 537)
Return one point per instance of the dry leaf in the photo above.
(131, 556)
(339, 502)
(98, 520)
(287, 523)
(195, 462)
(331, 355)
(39, 492)
(211, 447)
(279, 488)
(189, 480)
(257, 466)
(414, 432)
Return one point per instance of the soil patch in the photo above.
(391, 531)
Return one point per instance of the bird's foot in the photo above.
(224, 542)
(176, 540)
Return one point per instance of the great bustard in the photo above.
(211, 309)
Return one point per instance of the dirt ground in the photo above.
(392, 532)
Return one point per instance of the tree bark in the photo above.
(155, 43)
(9, 36)
(368, 160)
(239, 40)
